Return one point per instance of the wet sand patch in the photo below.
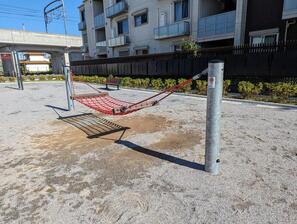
(180, 140)
(146, 124)
(70, 138)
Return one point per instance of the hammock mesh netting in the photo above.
(102, 102)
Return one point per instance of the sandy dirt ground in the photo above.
(50, 172)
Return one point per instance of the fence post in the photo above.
(67, 76)
(213, 117)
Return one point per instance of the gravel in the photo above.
(51, 173)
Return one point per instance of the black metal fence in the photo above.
(274, 62)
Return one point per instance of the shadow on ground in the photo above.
(160, 155)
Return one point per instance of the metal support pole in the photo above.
(214, 100)
(17, 70)
(68, 88)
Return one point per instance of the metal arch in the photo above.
(46, 11)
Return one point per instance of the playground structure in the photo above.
(161, 158)
(102, 102)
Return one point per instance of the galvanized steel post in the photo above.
(17, 70)
(68, 88)
(214, 101)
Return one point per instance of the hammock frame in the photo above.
(104, 103)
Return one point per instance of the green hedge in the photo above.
(30, 78)
(201, 87)
(275, 92)
(248, 89)
(280, 90)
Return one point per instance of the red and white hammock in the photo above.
(102, 102)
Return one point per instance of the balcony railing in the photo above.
(172, 30)
(82, 26)
(101, 48)
(217, 27)
(290, 9)
(116, 9)
(118, 41)
(100, 21)
(84, 49)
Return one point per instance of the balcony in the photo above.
(290, 9)
(116, 9)
(172, 30)
(118, 41)
(82, 26)
(101, 48)
(100, 21)
(84, 49)
(217, 27)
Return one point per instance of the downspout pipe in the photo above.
(288, 24)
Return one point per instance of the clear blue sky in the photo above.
(28, 14)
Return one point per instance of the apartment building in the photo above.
(271, 21)
(113, 28)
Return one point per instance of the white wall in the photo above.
(37, 68)
(38, 58)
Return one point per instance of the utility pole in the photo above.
(49, 13)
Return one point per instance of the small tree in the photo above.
(190, 46)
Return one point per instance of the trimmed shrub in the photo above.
(283, 90)
(201, 86)
(157, 84)
(101, 80)
(168, 83)
(59, 77)
(136, 83)
(32, 78)
(42, 78)
(187, 88)
(145, 83)
(11, 79)
(2, 79)
(127, 81)
(140, 83)
(49, 77)
(248, 89)
(226, 88)
(77, 78)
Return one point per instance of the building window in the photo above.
(269, 36)
(181, 10)
(141, 51)
(177, 48)
(264, 39)
(123, 27)
(124, 53)
(141, 19)
(85, 38)
(82, 15)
